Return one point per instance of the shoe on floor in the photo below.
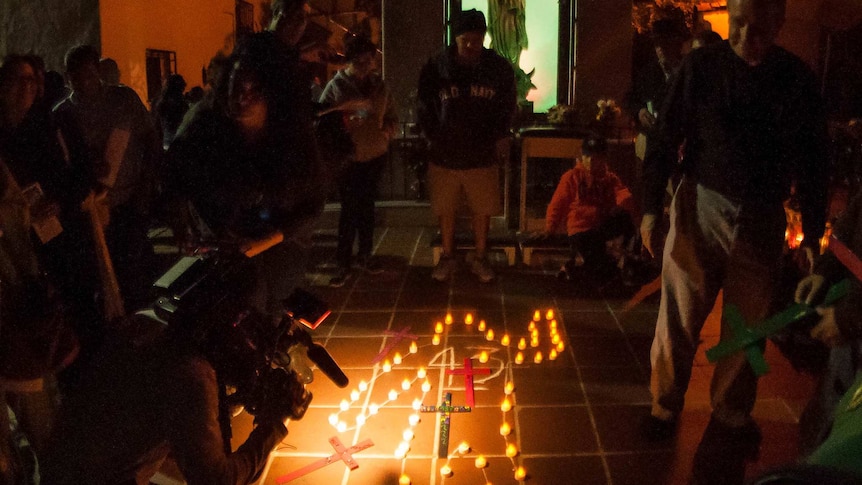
(655, 429)
(369, 264)
(444, 269)
(339, 278)
(482, 269)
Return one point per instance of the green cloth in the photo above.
(843, 448)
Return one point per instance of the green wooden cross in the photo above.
(747, 337)
(445, 409)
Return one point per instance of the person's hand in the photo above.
(810, 290)
(282, 397)
(646, 118)
(827, 330)
(650, 235)
(804, 259)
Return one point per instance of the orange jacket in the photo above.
(584, 198)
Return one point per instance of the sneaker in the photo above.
(482, 270)
(444, 269)
(655, 429)
(369, 264)
(339, 278)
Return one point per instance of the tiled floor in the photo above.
(574, 419)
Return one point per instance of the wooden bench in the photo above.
(505, 242)
(555, 243)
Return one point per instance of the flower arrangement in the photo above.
(562, 114)
(608, 111)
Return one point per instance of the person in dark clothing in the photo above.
(370, 132)
(752, 122)
(466, 103)
(644, 100)
(246, 160)
(169, 108)
(123, 150)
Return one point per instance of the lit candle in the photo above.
(344, 406)
(538, 357)
(520, 473)
(393, 394)
(505, 339)
(534, 342)
(363, 386)
(490, 335)
(360, 419)
(537, 316)
(531, 327)
(468, 319)
(481, 462)
(555, 338)
(522, 343)
(396, 359)
(482, 325)
(553, 324)
(552, 355)
(407, 434)
(333, 419)
(405, 384)
(438, 328)
(401, 451)
(403, 480)
(421, 373)
(506, 406)
(445, 471)
(448, 319)
(509, 388)
(417, 403)
(354, 395)
(464, 447)
(519, 358)
(435, 339)
(549, 315)
(511, 450)
(561, 346)
(483, 357)
(505, 429)
(373, 409)
(413, 419)
(414, 347)
(426, 386)
(387, 366)
(341, 427)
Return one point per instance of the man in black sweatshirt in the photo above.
(466, 104)
(753, 126)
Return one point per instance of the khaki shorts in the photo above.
(480, 185)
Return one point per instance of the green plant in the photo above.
(523, 83)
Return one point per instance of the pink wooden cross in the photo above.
(468, 372)
(341, 453)
(395, 340)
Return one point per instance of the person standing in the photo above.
(371, 131)
(752, 122)
(466, 103)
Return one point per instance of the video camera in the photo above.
(204, 299)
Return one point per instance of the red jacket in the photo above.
(584, 198)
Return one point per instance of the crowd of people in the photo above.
(86, 170)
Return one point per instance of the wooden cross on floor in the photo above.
(397, 337)
(747, 337)
(341, 453)
(468, 372)
(445, 409)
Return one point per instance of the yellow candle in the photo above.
(506, 406)
(463, 448)
(363, 386)
(414, 347)
(537, 316)
(522, 343)
(393, 394)
(448, 319)
(435, 339)
(426, 386)
(505, 429)
(468, 319)
(532, 326)
(483, 357)
(445, 471)
(561, 346)
(505, 339)
(482, 325)
(509, 388)
(511, 450)
(481, 462)
(549, 315)
(387, 366)
(421, 373)
(490, 335)
(552, 355)
(519, 358)
(396, 359)
(538, 357)
(520, 473)
(404, 480)
(438, 328)
(405, 384)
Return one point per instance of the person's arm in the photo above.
(559, 205)
(428, 109)
(195, 435)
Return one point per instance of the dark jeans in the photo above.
(132, 255)
(357, 188)
(591, 244)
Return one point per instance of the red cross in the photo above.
(468, 372)
(341, 453)
(396, 338)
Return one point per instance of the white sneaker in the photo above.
(482, 270)
(444, 269)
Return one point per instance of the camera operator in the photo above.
(160, 388)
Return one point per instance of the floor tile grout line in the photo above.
(643, 369)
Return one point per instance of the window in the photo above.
(160, 65)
